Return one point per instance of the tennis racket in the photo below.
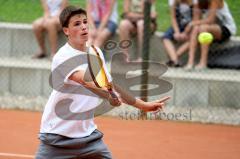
(100, 79)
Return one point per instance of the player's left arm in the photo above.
(127, 98)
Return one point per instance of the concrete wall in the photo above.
(18, 40)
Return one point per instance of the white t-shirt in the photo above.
(171, 2)
(51, 122)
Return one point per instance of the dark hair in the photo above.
(69, 12)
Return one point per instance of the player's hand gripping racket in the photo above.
(100, 80)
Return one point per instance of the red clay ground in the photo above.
(129, 139)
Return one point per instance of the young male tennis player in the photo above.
(78, 139)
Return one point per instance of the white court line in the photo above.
(16, 155)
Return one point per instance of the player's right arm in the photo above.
(78, 77)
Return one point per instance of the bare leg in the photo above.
(183, 48)
(192, 47)
(52, 28)
(102, 37)
(38, 28)
(171, 51)
(204, 55)
(125, 27)
(140, 30)
(216, 31)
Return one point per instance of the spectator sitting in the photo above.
(182, 13)
(219, 22)
(133, 23)
(50, 23)
(103, 18)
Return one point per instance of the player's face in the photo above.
(77, 30)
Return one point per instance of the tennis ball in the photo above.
(205, 38)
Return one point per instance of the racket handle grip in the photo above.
(112, 94)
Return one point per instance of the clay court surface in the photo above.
(129, 139)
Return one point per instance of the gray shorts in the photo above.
(54, 146)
